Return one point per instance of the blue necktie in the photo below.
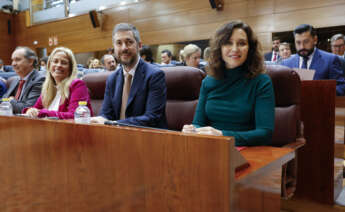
(305, 63)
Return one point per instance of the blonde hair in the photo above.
(189, 50)
(49, 87)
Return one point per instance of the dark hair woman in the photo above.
(236, 98)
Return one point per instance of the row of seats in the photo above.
(183, 85)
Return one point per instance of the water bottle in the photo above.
(6, 107)
(82, 113)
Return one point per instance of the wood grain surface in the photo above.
(164, 22)
(61, 166)
(316, 158)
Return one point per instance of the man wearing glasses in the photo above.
(338, 48)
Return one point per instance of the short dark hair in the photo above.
(254, 62)
(29, 54)
(45, 59)
(275, 38)
(146, 50)
(167, 51)
(304, 28)
(127, 27)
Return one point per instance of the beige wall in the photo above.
(166, 21)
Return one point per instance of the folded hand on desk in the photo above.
(202, 130)
(32, 112)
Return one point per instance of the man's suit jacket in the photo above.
(326, 66)
(146, 101)
(342, 62)
(268, 56)
(30, 93)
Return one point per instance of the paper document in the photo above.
(305, 74)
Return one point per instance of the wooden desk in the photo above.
(315, 178)
(61, 166)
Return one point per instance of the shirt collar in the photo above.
(132, 71)
(310, 58)
(28, 75)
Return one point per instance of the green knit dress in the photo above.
(238, 106)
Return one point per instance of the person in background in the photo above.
(109, 62)
(206, 57)
(88, 62)
(146, 54)
(166, 57)
(1, 65)
(110, 51)
(136, 92)
(326, 65)
(273, 56)
(338, 48)
(95, 64)
(61, 90)
(25, 89)
(236, 98)
(192, 55)
(181, 58)
(338, 45)
(284, 50)
(43, 63)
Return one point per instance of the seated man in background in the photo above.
(326, 65)
(5, 73)
(166, 57)
(109, 62)
(338, 45)
(273, 56)
(136, 92)
(146, 54)
(25, 89)
(338, 48)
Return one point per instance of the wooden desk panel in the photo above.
(61, 166)
(315, 179)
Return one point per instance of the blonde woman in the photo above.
(192, 55)
(61, 89)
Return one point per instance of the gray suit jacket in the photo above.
(29, 94)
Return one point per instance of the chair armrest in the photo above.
(297, 144)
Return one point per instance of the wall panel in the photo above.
(166, 21)
(6, 40)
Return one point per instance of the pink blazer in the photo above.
(78, 92)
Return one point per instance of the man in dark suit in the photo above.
(326, 65)
(338, 45)
(25, 88)
(338, 48)
(273, 56)
(136, 92)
